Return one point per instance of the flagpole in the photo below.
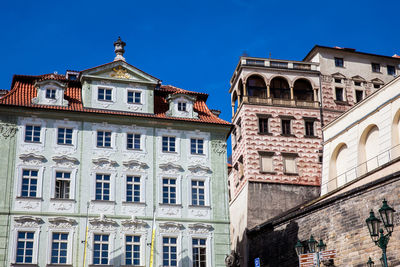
(152, 238)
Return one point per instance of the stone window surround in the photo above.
(19, 171)
(70, 246)
(107, 87)
(13, 248)
(104, 127)
(36, 122)
(206, 179)
(93, 174)
(198, 135)
(125, 130)
(291, 119)
(135, 90)
(178, 236)
(142, 246)
(313, 120)
(208, 237)
(143, 178)
(72, 185)
(263, 116)
(66, 124)
(178, 185)
(111, 237)
(169, 133)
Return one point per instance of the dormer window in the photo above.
(51, 93)
(181, 106)
(134, 97)
(104, 94)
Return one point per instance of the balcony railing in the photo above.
(281, 102)
(280, 64)
(362, 169)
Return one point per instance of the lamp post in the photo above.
(370, 263)
(377, 234)
(312, 247)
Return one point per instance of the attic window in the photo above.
(134, 97)
(51, 93)
(104, 94)
(181, 106)
(357, 83)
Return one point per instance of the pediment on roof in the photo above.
(377, 81)
(338, 75)
(119, 71)
(358, 78)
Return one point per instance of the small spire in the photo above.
(119, 49)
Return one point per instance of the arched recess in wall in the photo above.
(395, 151)
(338, 167)
(279, 87)
(241, 91)
(234, 102)
(256, 86)
(368, 149)
(302, 90)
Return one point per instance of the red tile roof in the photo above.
(23, 91)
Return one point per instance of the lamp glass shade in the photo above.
(370, 263)
(312, 243)
(373, 224)
(387, 214)
(299, 248)
(321, 246)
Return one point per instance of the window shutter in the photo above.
(290, 165)
(266, 163)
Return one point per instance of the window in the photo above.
(32, 133)
(196, 146)
(266, 162)
(100, 249)
(132, 189)
(376, 67)
(59, 247)
(240, 167)
(391, 70)
(357, 83)
(198, 193)
(234, 138)
(104, 94)
(103, 139)
(199, 252)
(133, 141)
(181, 106)
(359, 95)
(286, 127)
(239, 129)
(309, 128)
(377, 86)
(338, 80)
(289, 164)
(29, 183)
(24, 247)
(132, 250)
(169, 251)
(169, 191)
(263, 125)
(102, 187)
(338, 62)
(51, 93)
(134, 97)
(63, 181)
(339, 93)
(168, 144)
(64, 136)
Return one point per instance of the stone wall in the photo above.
(339, 221)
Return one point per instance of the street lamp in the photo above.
(376, 233)
(299, 248)
(370, 263)
(312, 243)
(321, 246)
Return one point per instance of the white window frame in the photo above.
(140, 141)
(66, 124)
(105, 88)
(169, 145)
(206, 142)
(182, 106)
(93, 184)
(32, 121)
(295, 162)
(70, 241)
(35, 251)
(73, 172)
(20, 170)
(104, 127)
(206, 181)
(129, 90)
(208, 237)
(125, 130)
(141, 249)
(178, 237)
(143, 245)
(197, 146)
(178, 185)
(111, 237)
(52, 90)
(103, 141)
(142, 188)
(40, 133)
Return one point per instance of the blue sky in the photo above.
(194, 45)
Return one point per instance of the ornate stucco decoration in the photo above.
(135, 165)
(103, 223)
(200, 228)
(134, 224)
(28, 221)
(326, 78)
(104, 163)
(62, 222)
(199, 169)
(32, 158)
(218, 147)
(65, 160)
(170, 227)
(170, 167)
(120, 72)
(8, 130)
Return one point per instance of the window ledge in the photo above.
(106, 147)
(260, 133)
(344, 103)
(197, 154)
(288, 135)
(100, 265)
(24, 265)
(30, 198)
(62, 199)
(134, 203)
(61, 144)
(102, 201)
(290, 174)
(199, 206)
(171, 205)
(170, 152)
(134, 149)
(311, 136)
(32, 142)
(264, 172)
(59, 265)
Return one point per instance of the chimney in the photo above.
(119, 49)
(216, 112)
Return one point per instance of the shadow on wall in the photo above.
(274, 248)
